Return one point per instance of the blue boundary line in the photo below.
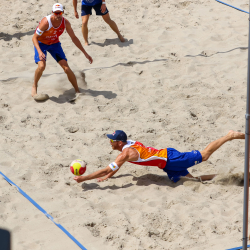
(237, 248)
(236, 9)
(43, 211)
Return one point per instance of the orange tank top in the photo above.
(148, 156)
(51, 35)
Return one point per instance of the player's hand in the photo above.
(89, 58)
(42, 57)
(103, 8)
(76, 14)
(79, 179)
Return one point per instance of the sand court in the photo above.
(179, 81)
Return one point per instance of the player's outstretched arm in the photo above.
(107, 176)
(115, 166)
(109, 171)
(96, 174)
(76, 41)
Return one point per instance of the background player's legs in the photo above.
(85, 30)
(213, 146)
(38, 74)
(71, 76)
(113, 26)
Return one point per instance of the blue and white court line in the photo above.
(43, 211)
(236, 9)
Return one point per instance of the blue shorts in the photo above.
(87, 10)
(55, 50)
(178, 163)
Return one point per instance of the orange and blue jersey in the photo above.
(171, 161)
(51, 35)
(148, 156)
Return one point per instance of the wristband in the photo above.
(113, 166)
(39, 32)
(103, 3)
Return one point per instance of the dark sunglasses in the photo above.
(58, 13)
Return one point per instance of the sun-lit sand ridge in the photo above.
(179, 81)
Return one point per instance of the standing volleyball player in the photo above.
(46, 38)
(101, 10)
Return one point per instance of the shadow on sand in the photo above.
(8, 37)
(115, 41)
(144, 180)
(68, 94)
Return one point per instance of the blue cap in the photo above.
(118, 135)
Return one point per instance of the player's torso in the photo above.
(51, 35)
(148, 156)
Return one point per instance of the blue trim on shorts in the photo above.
(87, 10)
(178, 163)
(54, 49)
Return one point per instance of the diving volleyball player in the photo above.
(171, 161)
(46, 38)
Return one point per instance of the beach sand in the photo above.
(178, 81)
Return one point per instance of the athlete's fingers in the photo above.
(42, 57)
(103, 8)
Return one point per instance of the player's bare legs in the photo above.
(70, 74)
(38, 74)
(85, 30)
(213, 146)
(113, 26)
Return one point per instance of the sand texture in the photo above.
(178, 81)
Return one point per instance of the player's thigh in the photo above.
(85, 19)
(86, 11)
(57, 52)
(64, 64)
(106, 18)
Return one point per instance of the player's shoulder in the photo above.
(128, 151)
(66, 21)
(44, 20)
(44, 23)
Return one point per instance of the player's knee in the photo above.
(85, 24)
(41, 67)
(66, 70)
(205, 157)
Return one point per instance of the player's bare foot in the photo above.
(86, 43)
(121, 38)
(235, 135)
